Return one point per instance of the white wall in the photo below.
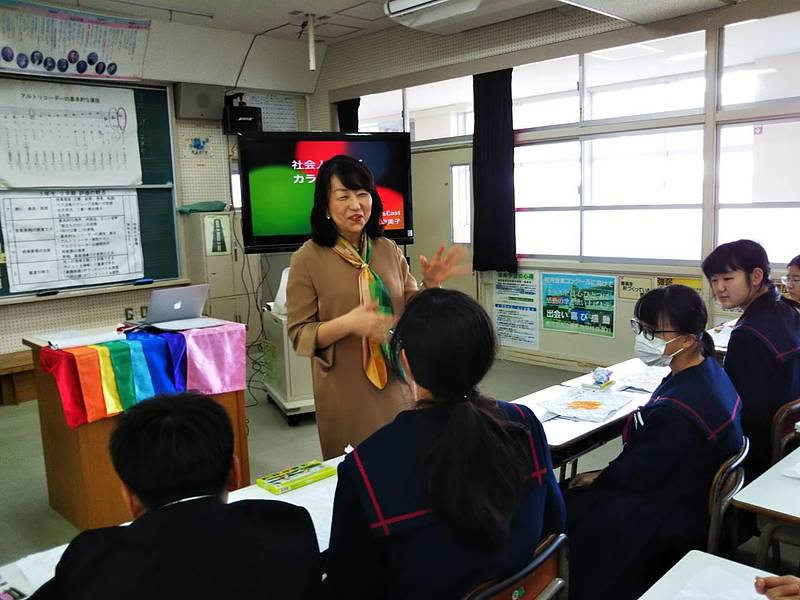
(192, 54)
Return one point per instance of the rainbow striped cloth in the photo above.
(102, 380)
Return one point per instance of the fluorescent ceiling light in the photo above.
(688, 55)
(626, 52)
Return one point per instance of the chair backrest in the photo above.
(544, 577)
(783, 428)
(726, 484)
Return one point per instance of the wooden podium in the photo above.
(82, 484)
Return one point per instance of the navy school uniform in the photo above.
(763, 361)
(650, 505)
(387, 543)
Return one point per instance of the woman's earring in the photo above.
(328, 217)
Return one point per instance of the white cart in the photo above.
(288, 376)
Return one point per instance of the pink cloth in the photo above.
(215, 358)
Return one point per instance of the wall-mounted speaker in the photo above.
(196, 101)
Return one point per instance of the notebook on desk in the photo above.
(175, 309)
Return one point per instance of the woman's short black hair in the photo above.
(355, 175)
(795, 262)
(741, 255)
(681, 307)
(173, 447)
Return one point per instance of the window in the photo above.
(656, 76)
(381, 112)
(761, 60)
(461, 203)
(546, 93)
(759, 185)
(640, 194)
(442, 109)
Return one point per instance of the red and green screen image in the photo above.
(281, 176)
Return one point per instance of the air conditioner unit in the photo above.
(452, 16)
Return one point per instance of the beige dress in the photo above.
(322, 286)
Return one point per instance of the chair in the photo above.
(783, 429)
(774, 532)
(542, 578)
(726, 484)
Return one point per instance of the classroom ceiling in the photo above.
(339, 20)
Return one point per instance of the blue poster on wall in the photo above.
(578, 303)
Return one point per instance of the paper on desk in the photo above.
(647, 380)
(74, 338)
(721, 334)
(713, 583)
(586, 405)
(39, 568)
(793, 471)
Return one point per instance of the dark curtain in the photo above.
(348, 114)
(494, 241)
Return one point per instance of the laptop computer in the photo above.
(174, 309)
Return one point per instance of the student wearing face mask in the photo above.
(763, 358)
(629, 523)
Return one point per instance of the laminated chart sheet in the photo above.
(58, 135)
(63, 238)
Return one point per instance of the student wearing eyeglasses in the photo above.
(763, 358)
(629, 523)
(792, 278)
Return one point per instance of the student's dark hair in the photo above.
(741, 255)
(681, 307)
(795, 262)
(355, 175)
(172, 447)
(473, 474)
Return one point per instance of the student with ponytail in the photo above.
(454, 493)
(763, 358)
(629, 523)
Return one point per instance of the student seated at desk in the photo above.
(174, 455)
(792, 278)
(452, 494)
(763, 358)
(630, 523)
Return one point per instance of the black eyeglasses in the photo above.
(648, 332)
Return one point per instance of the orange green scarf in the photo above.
(370, 288)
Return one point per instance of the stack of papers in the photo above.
(40, 567)
(646, 380)
(586, 405)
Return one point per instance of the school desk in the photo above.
(82, 485)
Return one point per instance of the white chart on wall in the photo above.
(63, 238)
(516, 309)
(57, 135)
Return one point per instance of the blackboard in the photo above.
(156, 193)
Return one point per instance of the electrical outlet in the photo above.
(143, 311)
(129, 314)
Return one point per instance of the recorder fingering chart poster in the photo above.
(56, 135)
(61, 238)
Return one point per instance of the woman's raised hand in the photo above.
(444, 265)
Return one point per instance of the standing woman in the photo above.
(347, 286)
(763, 358)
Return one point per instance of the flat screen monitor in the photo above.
(278, 173)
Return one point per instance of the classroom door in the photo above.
(432, 191)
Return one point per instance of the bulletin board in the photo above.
(150, 188)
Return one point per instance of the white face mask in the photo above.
(651, 352)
